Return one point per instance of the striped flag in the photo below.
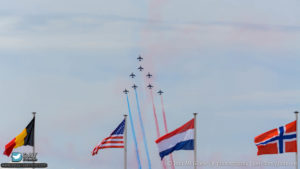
(115, 140)
(25, 138)
(180, 139)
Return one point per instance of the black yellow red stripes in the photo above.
(25, 138)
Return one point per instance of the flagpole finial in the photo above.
(33, 113)
(195, 114)
(125, 115)
(296, 112)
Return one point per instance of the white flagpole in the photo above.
(296, 113)
(195, 141)
(125, 142)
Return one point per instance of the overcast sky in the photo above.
(236, 63)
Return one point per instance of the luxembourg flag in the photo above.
(179, 139)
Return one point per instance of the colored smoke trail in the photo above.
(157, 125)
(148, 81)
(166, 126)
(164, 113)
(143, 129)
(133, 134)
(155, 116)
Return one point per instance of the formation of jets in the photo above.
(132, 75)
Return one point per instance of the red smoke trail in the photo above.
(155, 116)
(164, 114)
(149, 81)
(166, 127)
(156, 124)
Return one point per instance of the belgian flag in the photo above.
(25, 138)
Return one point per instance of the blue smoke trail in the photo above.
(143, 129)
(133, 134)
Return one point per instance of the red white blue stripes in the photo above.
(179, 139)
(115, 140)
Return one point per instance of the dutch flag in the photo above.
(179, 139)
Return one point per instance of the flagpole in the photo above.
(125, 142)
(296, 113)
(33, 147)
(195, 141)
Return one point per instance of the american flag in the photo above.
(115, 140)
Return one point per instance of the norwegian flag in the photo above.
(115, 140)
(278, 141)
